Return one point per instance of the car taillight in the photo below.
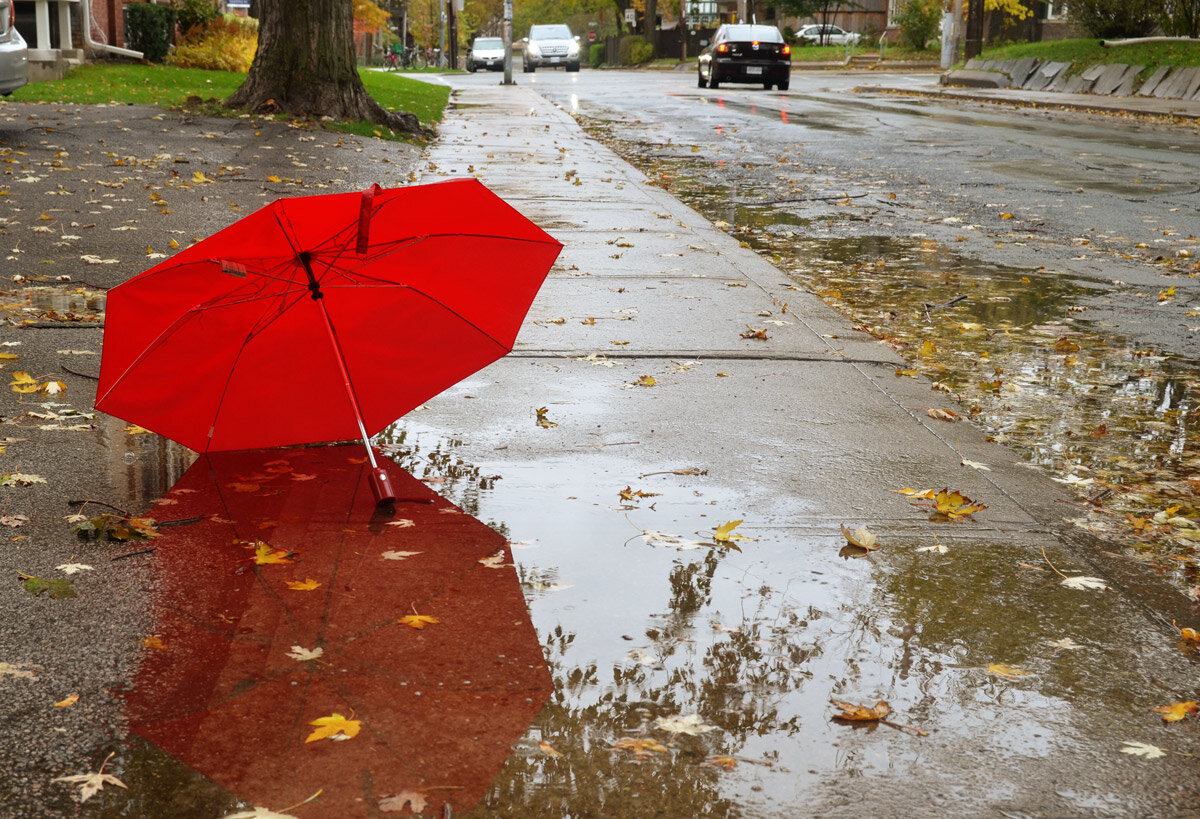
(787, 49)
(722, 48)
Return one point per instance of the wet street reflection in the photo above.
(308, 642)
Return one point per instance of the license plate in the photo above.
(754, 69)
(554, 59)
(491, 63)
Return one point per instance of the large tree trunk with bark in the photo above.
(305, 65)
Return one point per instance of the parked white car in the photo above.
(14, 54)
(827, 35)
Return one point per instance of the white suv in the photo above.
(550, 46)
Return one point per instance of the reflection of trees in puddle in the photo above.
(690, 659)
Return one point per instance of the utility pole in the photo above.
(451, 5)
(508, 80)
(974, 40)
(683, 31)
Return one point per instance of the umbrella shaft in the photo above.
(341, 362)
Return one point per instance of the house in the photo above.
(59, 38)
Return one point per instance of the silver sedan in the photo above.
(14, 54)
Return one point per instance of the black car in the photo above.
(740, 52)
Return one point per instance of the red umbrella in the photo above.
(321, 318)
(224, 685)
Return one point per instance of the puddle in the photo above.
(56, 303)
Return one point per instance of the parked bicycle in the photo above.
(404, 58)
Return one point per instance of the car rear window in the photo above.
(489, 42)
(764, 34)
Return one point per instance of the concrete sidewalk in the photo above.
(795, 435)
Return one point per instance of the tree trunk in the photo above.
(305, 65)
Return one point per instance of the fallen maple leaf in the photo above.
(629, 493)
(861, 538)
(1177, 710)
(401, 523)
(418, 621)
(334, 726)
(691, 725)
(1007, 672)
(944, 415)
(395, 555)
(954, 505)
(724, 532)
(542, 420)
(1142, 749)
(307, 584)
(654, 537)
(751, 332)
(91, 783)
(495, 561)
(73, 568)
(645, 381)
(861, 713)
(265, 554)
(74, 698)
(395, 804)
(1082, 582)
(301, 654)
(642, 747)
(726, 762)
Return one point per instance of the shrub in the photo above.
(150, 29)
(920, 20)
(1113, 18)
(640, 52)
(227, 44)
(195, 14)
(596, 55)
(631, 44)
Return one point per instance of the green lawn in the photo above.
(1084, 53)
(127, 83)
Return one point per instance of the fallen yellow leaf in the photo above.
(264, 554)
(71, 700)
(332, 726)
(418, 621)
(307, 584)
(1177, 710)
(1007, 672)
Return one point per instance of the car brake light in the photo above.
(754, 43)
(722, 48)
(787, 49)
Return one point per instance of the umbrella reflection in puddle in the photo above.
(294, 598)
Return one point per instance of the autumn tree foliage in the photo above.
(305, 65)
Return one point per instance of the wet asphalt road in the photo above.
(1109, 200)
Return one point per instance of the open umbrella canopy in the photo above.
(291, 598)
(321, 318)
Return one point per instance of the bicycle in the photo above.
(412, 58)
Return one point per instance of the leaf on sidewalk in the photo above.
(1007, 672)
(1142, 749)
(861, 713)
(1177, 710)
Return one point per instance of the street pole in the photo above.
(683, 31)
(508, 80)
(974, 41)
(450, 5)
